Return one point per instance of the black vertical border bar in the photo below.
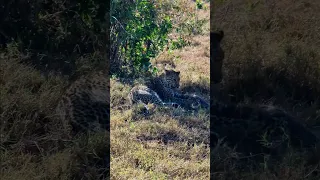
(211, 97)
(211, 87)
(108, 45)
(107, 58)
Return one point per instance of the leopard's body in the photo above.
(165, 92)
(145, 95)
(85, 104)
(258, 129)
(252, 129)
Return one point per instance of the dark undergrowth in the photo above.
(272, 58)
(44, 45)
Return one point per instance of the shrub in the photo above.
(138, 33)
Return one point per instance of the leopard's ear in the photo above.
(220, 35)
(178, 72)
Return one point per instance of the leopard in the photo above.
(255, 128)
(167, 86)
(164, 91)
(85, 104)
(145, 95)
(216, 56)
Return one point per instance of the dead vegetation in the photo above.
(272, 58)
(169, 143)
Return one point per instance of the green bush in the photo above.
(138, 33)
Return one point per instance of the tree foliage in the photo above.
(138, 33)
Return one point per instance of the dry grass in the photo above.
(168, 144)
(34, 144)
(272, 57)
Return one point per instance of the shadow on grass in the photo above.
(298, 95)
(195, 87)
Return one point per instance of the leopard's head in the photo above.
(216, 56)
(85, 104)
(172, 78)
